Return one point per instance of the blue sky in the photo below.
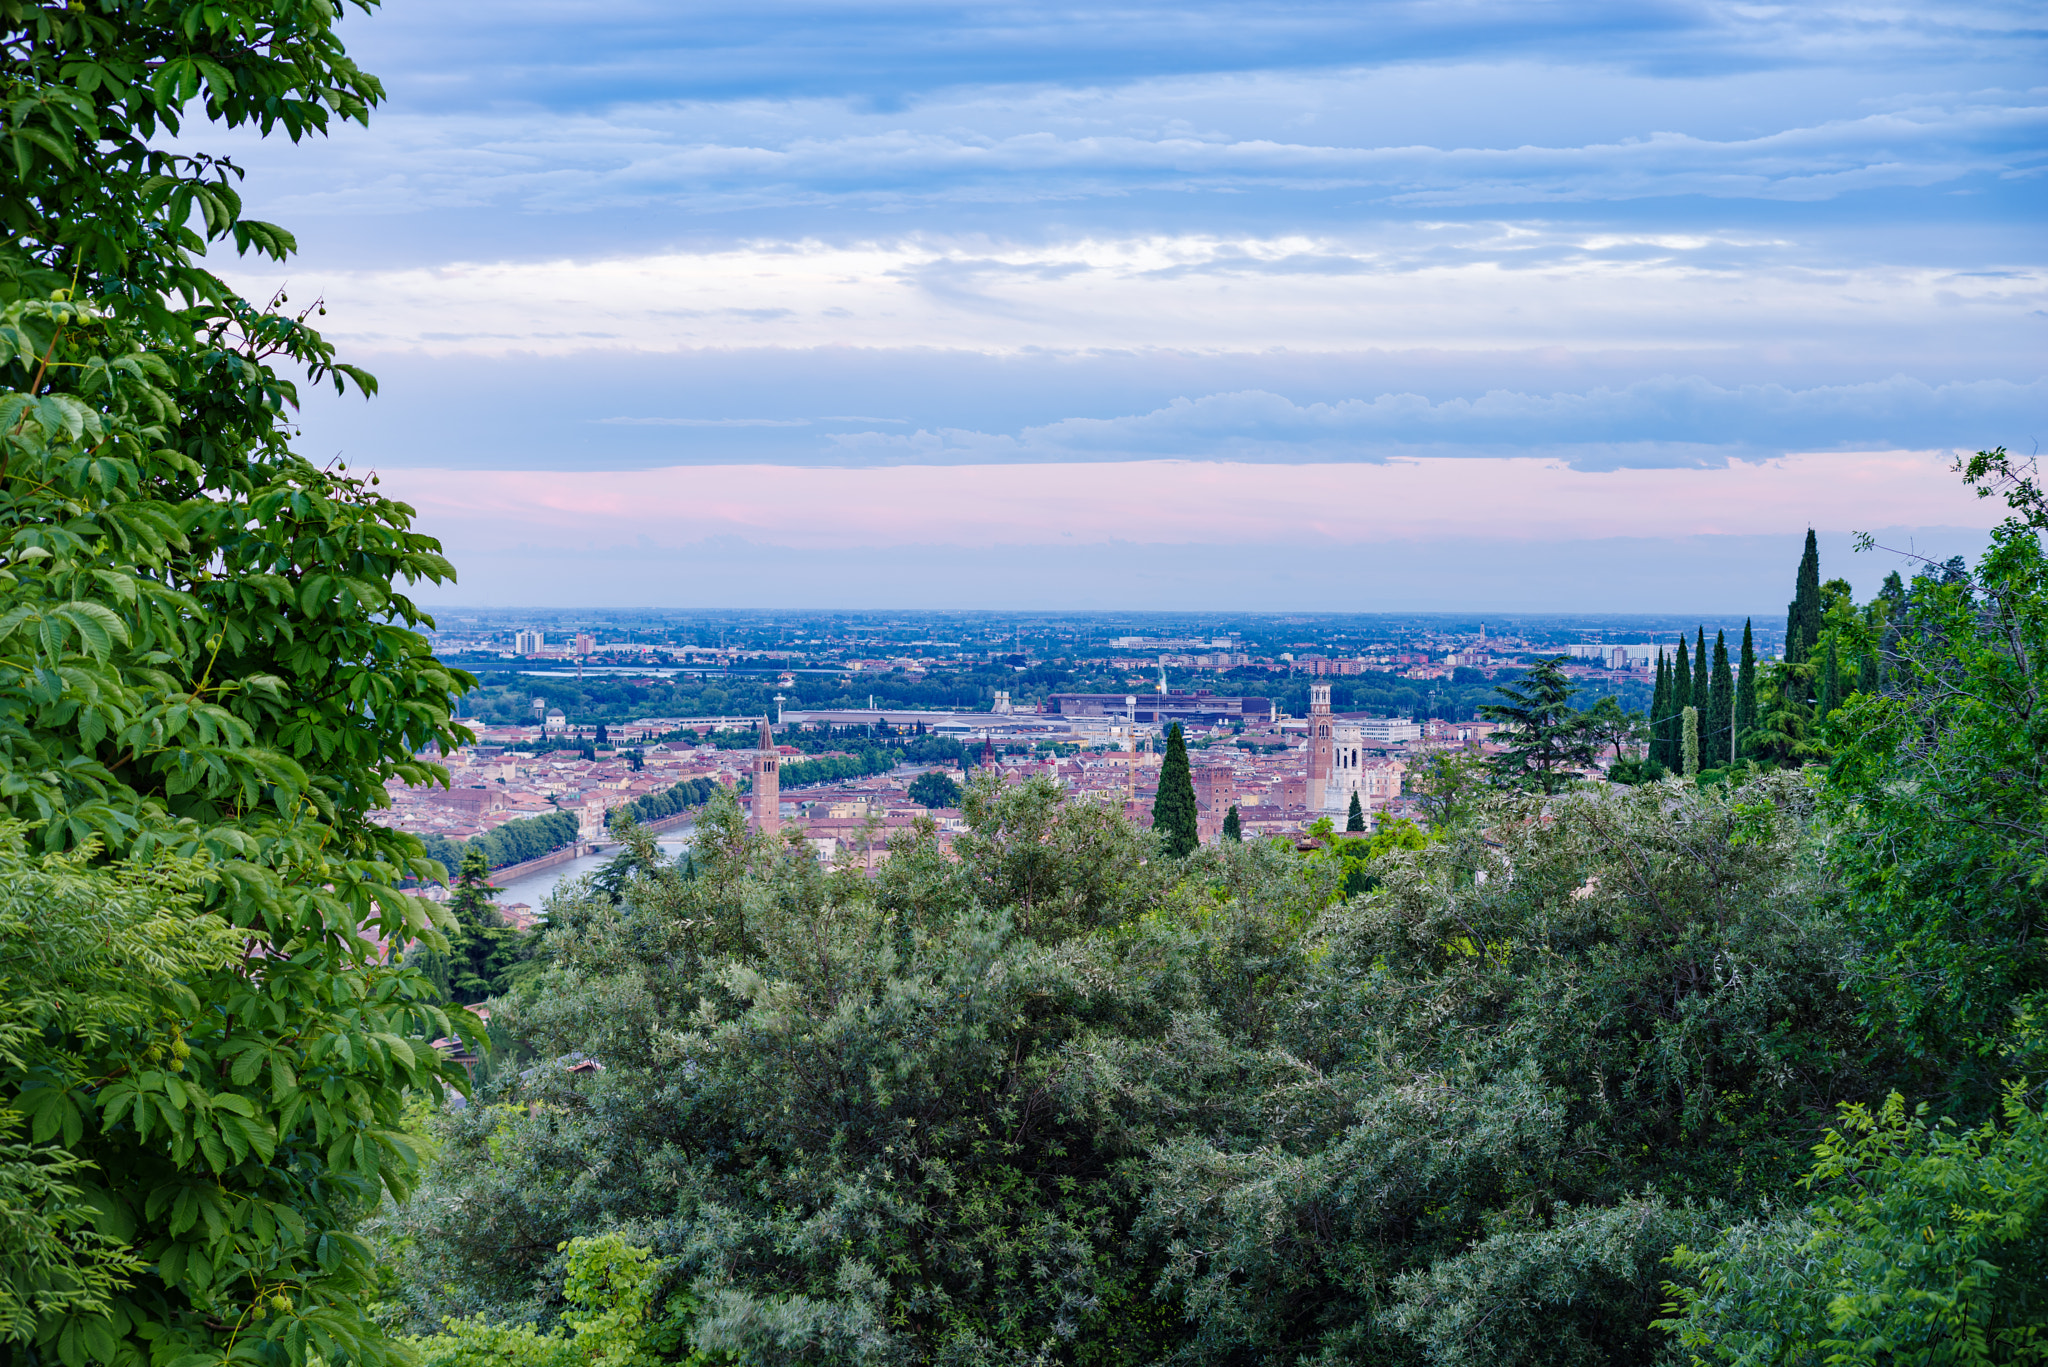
(1103, 250)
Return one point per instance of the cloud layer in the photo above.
(1507, 499)
(1013, 264)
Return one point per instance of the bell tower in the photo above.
(768, 783)
(1320, 745)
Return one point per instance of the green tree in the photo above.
(482, 950)
(619, 1318)
(1701, 683)
(1681, 698)
(1691, 718)
(1803, 614)
(1660, 707)
(1174, 813)
(1939, 785)
(935, 788)
(1605, 724)
(1785, 732)
(1449, 787)
(881, 1056)
(1233, 827)
(1720, 716)
(1354, 820)
(1830, 680)
(1745, 694)
(1544, 742)
(1927, 1244)
(206, 652)
(1681, 681)
(92, 958)
(1550, 1039)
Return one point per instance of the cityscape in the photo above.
(558, 728)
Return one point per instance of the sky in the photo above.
(1549, 305)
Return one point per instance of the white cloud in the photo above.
(1447, 285)
(1014, 146)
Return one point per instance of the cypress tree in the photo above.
(1745, 692)
(1721, 705)
(1802, 619)
(1233, 829)
(1174, 814)
(1691, 743)
(1356, 820)
(1660, 713)
(1681, 680)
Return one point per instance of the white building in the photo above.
(1352, 770)
(528, 642)
(1638, 656)
(1388, 730)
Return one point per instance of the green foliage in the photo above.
(1634, 771)
(514, 842)
(671, 801)
(836, 768)
(935, 788)
(204, 1125)
(1718, 729)
(1745, 694)
(614, 1288)
(90, 954)
(1691, 747)
(1450, 788)
(482, 950)
(1448, 1147)
(1233, 826)
(1927, 1245)
(1803, 614)
(1605, 723)
(839, 1103)
(1354, 820)
(207, 663)
(1051, 1098)
(1357, 857)
(1175, 815)
(1939, 786)
(1545, 742)
(1661, 714)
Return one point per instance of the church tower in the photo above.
(1320, 745)
(768, 783)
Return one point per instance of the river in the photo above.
(534, 888)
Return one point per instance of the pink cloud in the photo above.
(1180, 502)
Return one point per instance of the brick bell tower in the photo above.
(1321, 746)
(768, 782)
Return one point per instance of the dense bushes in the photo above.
(1059, 1098)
